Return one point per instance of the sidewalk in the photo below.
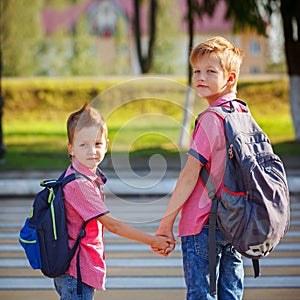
(124, 178)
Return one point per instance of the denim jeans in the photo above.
(66, 286)
(229, 272)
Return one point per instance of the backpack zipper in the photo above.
(50, 201)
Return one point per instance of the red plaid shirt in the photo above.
(84, 200)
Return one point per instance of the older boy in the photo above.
(216, 63)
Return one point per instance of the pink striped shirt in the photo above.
(208, 146)
(84, 200)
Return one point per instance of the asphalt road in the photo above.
(134, 272)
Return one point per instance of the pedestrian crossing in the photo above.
(134, 271)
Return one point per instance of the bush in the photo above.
(142, 115)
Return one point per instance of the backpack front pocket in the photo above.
(29, 241)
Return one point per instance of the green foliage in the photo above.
(54, 96)
(20, 31)
(247, 14)
(35, 114)
(269, 105)
(27, 51)
(121, 65)
(66, 56)
(166, 43)
(277, 68)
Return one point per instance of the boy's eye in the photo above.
(210, 71)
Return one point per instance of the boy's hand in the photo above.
(166, 250)
(167, 232)
(164, 245)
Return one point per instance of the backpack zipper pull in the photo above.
(230, 151)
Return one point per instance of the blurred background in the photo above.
(130, 60)
(109, 37)
(58, 54)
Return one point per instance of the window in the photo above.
(254, 70)
(255, 48)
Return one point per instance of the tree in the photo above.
(195, 8)
(166, 38)
(255, 14)
(189, 102)
(290, 13)
(21, 32)
(2, 147)
(145, 60)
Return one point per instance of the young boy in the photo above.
(216, 63)
(84, 200)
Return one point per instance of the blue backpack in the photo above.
(253, 212)
(44, 235)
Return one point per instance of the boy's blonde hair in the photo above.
(229, 56)
(85, 117)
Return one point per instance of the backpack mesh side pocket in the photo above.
(29, 241)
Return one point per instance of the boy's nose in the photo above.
(92, 149)
(199, 77)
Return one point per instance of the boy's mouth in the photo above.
(92, 158)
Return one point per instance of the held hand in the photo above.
(165, 231)
(171, 246)
(163, 245)
(167, 250)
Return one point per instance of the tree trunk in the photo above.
(184, 136)
(2, 148)
(295, 103)
(145, 61)
(290, 12)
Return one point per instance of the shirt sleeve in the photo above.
(207, 137)
(85, 198)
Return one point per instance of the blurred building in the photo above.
(107, 18)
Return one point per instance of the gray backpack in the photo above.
(253, 212)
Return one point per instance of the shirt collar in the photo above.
(224, 98)
(80, 168)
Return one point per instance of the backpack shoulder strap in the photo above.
(227, 107)
(52, 182)
(70, 178)
(207, 181)
(204, 174)
(222, 111)
(61, 180)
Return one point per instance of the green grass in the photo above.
(35, 144)
(35, 138)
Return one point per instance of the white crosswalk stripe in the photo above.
(133, 266)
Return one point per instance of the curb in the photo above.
(120, 187)
(115, 186)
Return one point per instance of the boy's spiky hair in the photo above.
(84, 117)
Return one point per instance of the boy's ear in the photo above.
(70, 149)
(106, 148)
(232, 78)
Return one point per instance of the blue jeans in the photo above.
(229, 272)
(66, 286)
